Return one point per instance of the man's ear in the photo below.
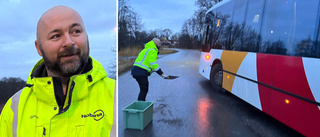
(37, 44)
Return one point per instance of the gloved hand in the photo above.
(165, 77)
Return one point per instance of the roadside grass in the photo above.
(127, 52)
(125, 64)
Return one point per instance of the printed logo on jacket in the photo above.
(97, 115)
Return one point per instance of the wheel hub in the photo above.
(218, 78)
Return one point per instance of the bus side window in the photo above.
(212, 30)
(251, 36)
(238, 23)
(289, 27)
(224, 27)
(205, 44)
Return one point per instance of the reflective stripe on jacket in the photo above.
(147, 58)
(87, 110)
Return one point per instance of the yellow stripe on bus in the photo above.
(231, 61)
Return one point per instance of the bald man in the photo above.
(67, 92)
(145, 64)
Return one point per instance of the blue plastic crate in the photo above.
(138, 115)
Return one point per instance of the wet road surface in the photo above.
(187, 106)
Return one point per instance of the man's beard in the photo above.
(68, 68)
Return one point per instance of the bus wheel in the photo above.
(216, 77)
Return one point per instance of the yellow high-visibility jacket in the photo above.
(147, 58)
(87, 109)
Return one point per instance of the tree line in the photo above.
(9, 86)
(132, 34)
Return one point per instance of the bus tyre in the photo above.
(216, 77)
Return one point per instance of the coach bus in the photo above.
(267, 52)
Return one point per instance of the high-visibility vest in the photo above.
(147, 58)
(87, 110)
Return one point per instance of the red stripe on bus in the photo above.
(265, 67)
(290, 76)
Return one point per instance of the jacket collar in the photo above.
(43, 87)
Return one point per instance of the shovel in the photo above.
(171, 77)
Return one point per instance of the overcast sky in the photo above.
(164, 14)
(18, 21)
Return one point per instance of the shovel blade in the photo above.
(172, 77)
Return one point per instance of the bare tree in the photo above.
(112, 68)
(195, 25)
(167, 33)
(129, 23)
(199, 15)
(207, 4)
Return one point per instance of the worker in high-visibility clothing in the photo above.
(67, 93)
(145, 64)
